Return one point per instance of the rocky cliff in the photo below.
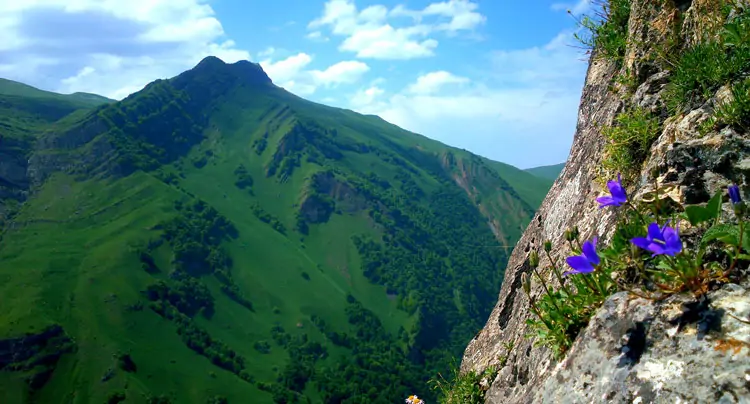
(683, 65)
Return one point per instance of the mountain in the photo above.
(215, 238)
(547, 172)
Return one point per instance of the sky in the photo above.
(500, 78)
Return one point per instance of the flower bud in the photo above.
(734, 194)
(534, 259)
(569, 235)
(547, 246)
(740, 209)
(526, 283)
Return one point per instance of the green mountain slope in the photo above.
(83, 100)
(547, 172)
(215, 237)
(25, 113)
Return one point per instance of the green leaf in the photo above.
(746, 239)
(663, 265)
(726, 233)
(713, 207)
(697, 214)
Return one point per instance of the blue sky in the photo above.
(499, 78)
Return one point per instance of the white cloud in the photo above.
(346, 72)
(386, 42)
(433, 82)
(461, 13)
(369, 34)
(107, 47)
(366, 97)
(291, 74)
(267, 52)
(525, 98)
(317, 36)
(286, 69)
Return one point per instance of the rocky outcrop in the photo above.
(637, 351)
(634, 350)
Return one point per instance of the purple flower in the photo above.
(664, 240)
(586, 262)
(734, 194)
(618, 195)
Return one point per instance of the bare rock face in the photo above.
(634, 350)
(638, 351)
(569, 202)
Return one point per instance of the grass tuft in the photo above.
(628, 143)
(466, 388)
(736, 112)
(702, 69)
(607, 29)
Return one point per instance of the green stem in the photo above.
(539, 314)
(544, 285)
(637, 212)
(739, 247)
(556, 270)
(588, 283)
(676, 269)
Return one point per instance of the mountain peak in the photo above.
(243, 70)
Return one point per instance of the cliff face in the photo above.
(633, 349)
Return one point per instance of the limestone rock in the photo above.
(638, 351)
(634, 350)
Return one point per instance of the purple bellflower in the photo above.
(664, 240)
(734, 194)
(617, 194)
(586, 262)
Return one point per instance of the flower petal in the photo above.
(617, 191)
(589, 251)
(672, 239)
(656, 249)
(580, 264)
(606, 201)
(641, 242)
(654, 232)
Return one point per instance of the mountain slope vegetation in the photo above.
(214, 238)
(547, 172)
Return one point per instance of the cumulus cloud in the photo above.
(369, 34)
(286, 69)
(366, 97)
(433, 82)
(108, 47)
(291, 73)
(346, 72)
(527, 97)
